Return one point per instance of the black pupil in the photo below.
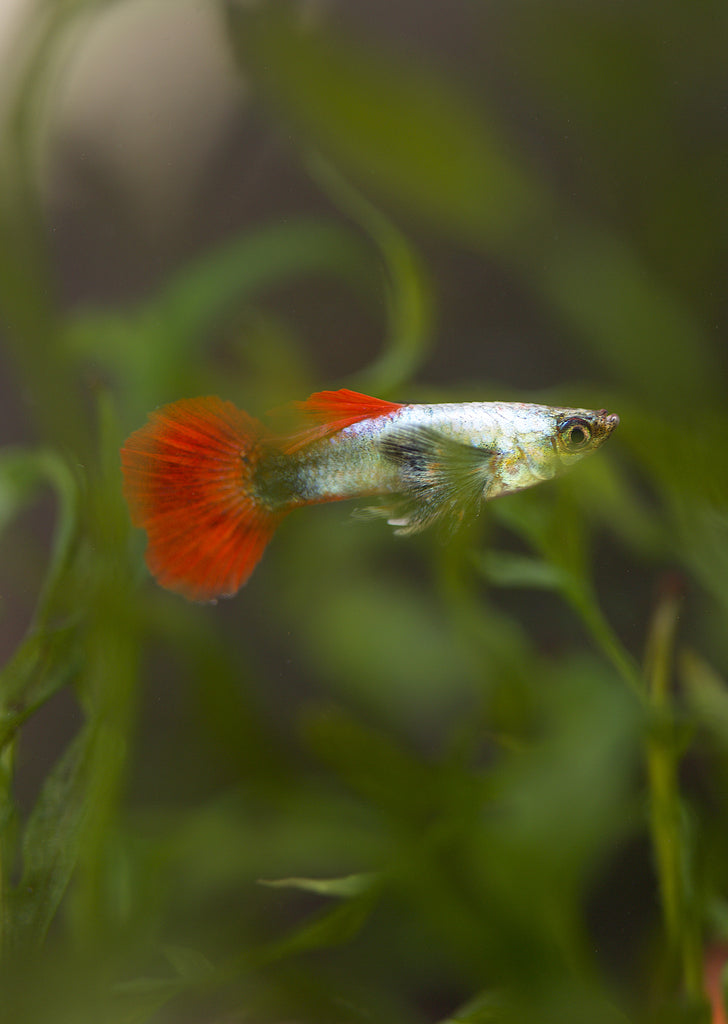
(577, 437)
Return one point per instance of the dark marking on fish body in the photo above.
(439, 476)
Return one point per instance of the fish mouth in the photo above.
(609, 420)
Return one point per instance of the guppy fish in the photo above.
(210, 484)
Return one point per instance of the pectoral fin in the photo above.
(442, 479)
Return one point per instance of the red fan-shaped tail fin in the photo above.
(188, 480)
(327, 412)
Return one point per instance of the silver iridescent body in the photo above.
(440, 458)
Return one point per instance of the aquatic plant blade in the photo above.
(51, 844)
(346, 886)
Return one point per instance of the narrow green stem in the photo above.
(598, 627)
(409, 302)
(669, 839)
(34, 334)
(7, 757)
(668, 834)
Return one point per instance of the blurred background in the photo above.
(477, 778)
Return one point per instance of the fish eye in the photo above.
(575, 433)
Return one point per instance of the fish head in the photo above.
(545, 442)
(577, 432)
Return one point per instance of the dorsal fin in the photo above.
(327, 412)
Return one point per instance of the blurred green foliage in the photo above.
(439, 759)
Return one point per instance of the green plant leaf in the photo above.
(48, 656)
(190, 964)
(44, 662)
(51, 844)
(488, 1008)
(505, 569)
(347, 885)
(332, 928)
(22, 472)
